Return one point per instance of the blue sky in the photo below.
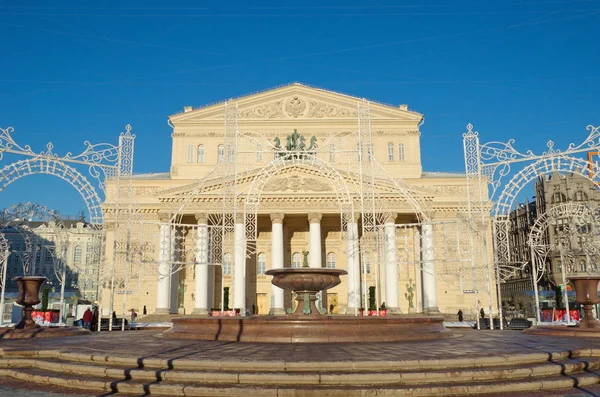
(76, 71)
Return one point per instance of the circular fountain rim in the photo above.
(306, 270)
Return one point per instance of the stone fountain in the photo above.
(306, 283)
(307, 324)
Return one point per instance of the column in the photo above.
(428, 269)
(353, 266)
(391, 265)
(277, 262)
(314, 247)
(239, 264)
(163, 285)
(175, 256)
(201, 287)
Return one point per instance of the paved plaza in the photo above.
(151, 346)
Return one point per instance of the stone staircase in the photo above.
(531, 373)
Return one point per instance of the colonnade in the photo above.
(203, 279)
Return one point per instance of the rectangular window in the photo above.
(227, 264)
(262, 264)
(400, 152)
(200, 158)
(390, 152)
(190, 153)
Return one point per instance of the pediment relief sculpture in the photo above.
(296, 183)
(296, 107)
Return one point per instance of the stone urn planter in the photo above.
(28, 296)
(586, 294)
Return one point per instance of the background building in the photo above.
(82, 256)
(550, 191)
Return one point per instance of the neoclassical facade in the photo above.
(289, 175)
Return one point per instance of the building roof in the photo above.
(289, 85)
(436, 174)
(152, 175)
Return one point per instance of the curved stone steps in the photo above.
(304, 366)
(129, 386)
(319, 376)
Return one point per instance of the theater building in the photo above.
(296, 175)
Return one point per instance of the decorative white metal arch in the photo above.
(543, 166)
(301, 160)
(487, 164)
(578, 216)
(103, 161)
(49, 166)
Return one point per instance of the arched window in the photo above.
(580, 196)
(296, 260)
(77, 254)
(190, 153)
(221, 153)
(582, 266)
(332, 153)
(261, 265)
(227, 264)
(200, 154)
(366, 264)
(231, 154)
(390, 151)
(400, 152)
(558, 197)
(259, 153)
(331, 260)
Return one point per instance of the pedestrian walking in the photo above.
(460, 315)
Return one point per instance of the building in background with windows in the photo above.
(550, 190)
(556, 189)
(82, 256)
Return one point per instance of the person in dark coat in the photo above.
(87, 319)
(482, 313)
(460, 315)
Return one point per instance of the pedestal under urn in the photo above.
(28, 296)
(586, 294)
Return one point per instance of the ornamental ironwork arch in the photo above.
(487, 164)
(252, 202)
(103, 160)
(580, 215)
(544, 166)
(41, 165)
(581, 212)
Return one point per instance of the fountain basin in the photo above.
(306, 282)
(308, 329)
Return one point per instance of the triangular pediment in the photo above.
(295, 101)
(293, 180)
